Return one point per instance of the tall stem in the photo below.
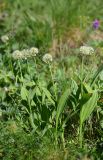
(52, 81)
(82, 69)
(80, 135)
(20, 70)
(36, 67)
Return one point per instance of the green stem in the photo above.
(52, 81)
(36, 67)
(63, 139)
(82, 68)
(20, 70)
(80, 135)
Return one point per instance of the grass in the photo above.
(52, 110)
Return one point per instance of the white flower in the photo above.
(17, 54)
(25, 53)
(86, 50)
(47, 58)
(4, 38)
(33, 51)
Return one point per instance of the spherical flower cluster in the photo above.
(47, 58)
(4, 38)
(86, 50)
(34, 51)
(25, 53)
(17, 54)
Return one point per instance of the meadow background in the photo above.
(51, 92)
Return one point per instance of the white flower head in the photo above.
(47, 58)
(25, 53)
(4, 38)
(17, 54)
(33, 51)
(86, 50)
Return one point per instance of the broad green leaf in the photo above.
(88, 107)
(61, 104)
(31, 119)
(24, 93)
(43, 98)
(2, 94)
(37, 91)
(86, 111)
(74, 87)
(88, 88)
(97, 73)
(31, 94)
(101, 75)
(48, 94)
(101, 123)
(33, 103)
